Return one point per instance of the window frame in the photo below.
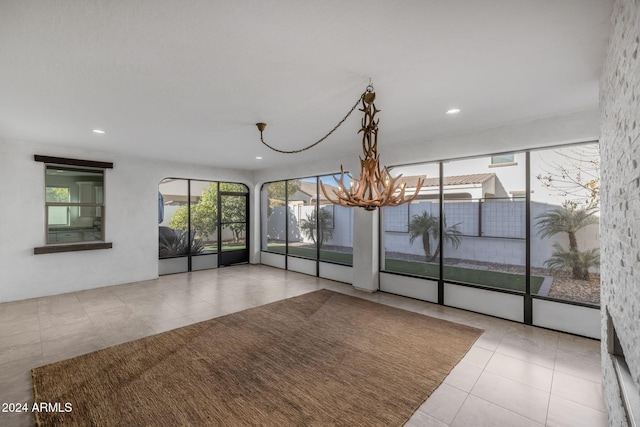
(528, 238)
(286, 253)
(82, 245)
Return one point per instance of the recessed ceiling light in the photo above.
(453, 111)
(99, 131)
(258, 158)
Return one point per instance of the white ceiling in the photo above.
(188, 80)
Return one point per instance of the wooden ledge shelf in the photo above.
(71, 248)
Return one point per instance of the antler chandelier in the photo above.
(375, 187)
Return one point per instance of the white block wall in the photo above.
(620, 154)
(500, 218)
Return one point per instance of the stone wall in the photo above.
(620, 153)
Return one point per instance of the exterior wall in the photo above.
(342, 224)
(131, 222)
(620, 154)
(496, 219)
(276, 224)
(492, 247)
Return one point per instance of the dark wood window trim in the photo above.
(53, 249)
(72, 162)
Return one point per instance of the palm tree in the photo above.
(580, 262)
(309, 229)
(568, 219)
(423, 225)
(426, 225)
(451, 235)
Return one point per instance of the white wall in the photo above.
(131, 224)
(496, 219)
(342, 224)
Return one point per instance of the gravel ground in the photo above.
(566, 287)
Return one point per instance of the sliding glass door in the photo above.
(233, 228)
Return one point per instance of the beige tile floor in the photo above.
(514, 375)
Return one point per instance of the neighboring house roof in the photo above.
(309, 188)
(476, 178)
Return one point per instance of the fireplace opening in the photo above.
(629, 390)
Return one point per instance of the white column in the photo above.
(256, 230)
(365, 250)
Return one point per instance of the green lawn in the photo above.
(225, 247)
(491, 279)
(233, 246)
(332, 256)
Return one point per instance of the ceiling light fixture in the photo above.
(258, 158)
(101, 132)
(375, 187)
(453, 111)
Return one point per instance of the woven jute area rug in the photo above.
(319, 359)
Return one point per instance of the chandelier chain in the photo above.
(369, 89)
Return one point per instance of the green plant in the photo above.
(451, 235)
(427, 226)
(424, 225)
(569, 219)
(278, 191)
(204, 213)
(309, 229)
(178, 245)
(579, 262)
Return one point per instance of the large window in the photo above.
(484, 228)
(190, 217)
(565, 217)
(274, 217)
(302, 206)
(486, 241)
(299, 221)
(203, 204)
(174, 237)
(204, 222)
(411, 231)
(335, 226)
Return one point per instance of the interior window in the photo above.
(74, 204)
